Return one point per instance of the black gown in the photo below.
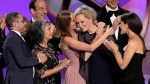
(133, 73)
(101, 69)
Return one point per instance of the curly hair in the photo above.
(36, 31)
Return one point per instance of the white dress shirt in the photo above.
(112, 18)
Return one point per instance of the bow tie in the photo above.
(110, 13)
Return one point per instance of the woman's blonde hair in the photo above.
(88, 12)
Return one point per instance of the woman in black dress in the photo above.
(48, 73)
(98, 69)
(134, 51)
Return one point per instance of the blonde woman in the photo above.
(100, 66)
(65, 26)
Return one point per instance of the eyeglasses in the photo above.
(21, 21)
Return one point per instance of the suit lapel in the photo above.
(22, 42)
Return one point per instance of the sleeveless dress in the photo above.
(133, 73)
(72, 75)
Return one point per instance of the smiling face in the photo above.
(112, 3)
(83, 22)
(40, 11)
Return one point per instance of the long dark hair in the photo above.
(135, 25)
(63, 21)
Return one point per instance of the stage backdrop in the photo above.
(140, 7)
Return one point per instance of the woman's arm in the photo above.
(56, 69)
(45, 73)
(129, 52)
(73, 43)
(49, 72)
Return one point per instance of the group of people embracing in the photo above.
(108, 49)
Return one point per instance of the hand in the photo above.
(65, 63)
(3, 24)
(110, 31)
(53, 28)
(116, 22)
(111, 45)
(101, 24)
(100, 29)
(42, 57)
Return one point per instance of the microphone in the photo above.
(78, 29)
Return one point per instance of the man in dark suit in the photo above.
(107, 15)
(18, 57)
(38, 9)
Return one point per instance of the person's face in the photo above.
(49, 31)
(41, 10)
(20, 24)
(123, 27)
(83, 22)
(112, 3)
(72, 23)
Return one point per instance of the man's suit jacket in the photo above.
(19, 60)
(121, 42)
(104, 17)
